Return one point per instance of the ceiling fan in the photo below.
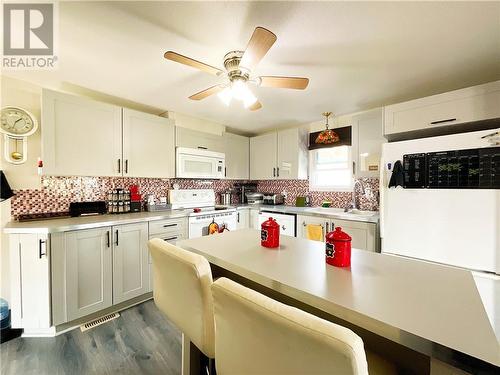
(238, 72)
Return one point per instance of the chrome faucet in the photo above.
(353, 204)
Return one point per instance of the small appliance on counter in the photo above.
(87, 208)
(241, 189)
(118, 201)
(135, 199)
(273, 199)
(254, 198)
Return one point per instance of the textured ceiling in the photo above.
(357, 55)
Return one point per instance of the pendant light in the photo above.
(327, 136)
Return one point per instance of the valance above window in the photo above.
(343, 133)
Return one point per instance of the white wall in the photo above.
(28, 96)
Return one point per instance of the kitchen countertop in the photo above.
(411, 302)
(96, 221)
(88, 222)
(331, 212)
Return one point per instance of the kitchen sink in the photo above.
(355, 211)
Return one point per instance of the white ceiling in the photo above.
(358, 55)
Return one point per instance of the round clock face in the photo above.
(17, 122)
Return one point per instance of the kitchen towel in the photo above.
(397, 177)
(314, 232)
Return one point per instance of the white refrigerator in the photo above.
(454, 226)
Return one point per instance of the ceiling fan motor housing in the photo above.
(232, 64)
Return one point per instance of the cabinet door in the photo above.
(185, 137)
(243, 221)
(363, 234)
(30, 278)
(304, 221)
(254, 219)
(88, 271)
(237, 150)
(71, 127)
(130, 261)
(263, 157)
(370, 140)
(287, 166)
(148, 145)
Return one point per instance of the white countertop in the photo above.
(388, 295)
(330, 212)
(87, 222)
(95, 221)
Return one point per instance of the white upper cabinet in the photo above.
(292, 154)
(148, 145)
(80, 137)
(471, 104)
(279, 155)
(237, 150)
(185, 137)
(263, 156)
(369, 126)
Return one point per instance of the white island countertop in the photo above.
(408, 301)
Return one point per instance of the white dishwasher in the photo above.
(286, 221)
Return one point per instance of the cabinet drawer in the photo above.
(166, 226)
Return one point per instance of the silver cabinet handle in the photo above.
(274, 172)
(108, 238)
(353, 167)
(116, 243)
(238, 217)
(169, 225)
(126, 165)
(277, 171)
(119, 166)
(40, 243)
(283, 227)
(327, 225)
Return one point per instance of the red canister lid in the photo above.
(338, 235)
(270, 223)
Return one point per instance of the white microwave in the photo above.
(199, 163)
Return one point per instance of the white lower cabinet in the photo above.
(93, 269)
(243, 218)
(364, 235)
(130, 261)
(82, 273)
(30, 283)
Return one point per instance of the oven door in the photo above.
(198, 225)
(192, 163)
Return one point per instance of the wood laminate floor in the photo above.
(140, 341)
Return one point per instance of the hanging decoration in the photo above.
(327, 136)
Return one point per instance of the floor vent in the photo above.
(98, 322)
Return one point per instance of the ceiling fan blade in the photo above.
(174, 56)
(255, 106)
(260, 42)
(207, 92)
(297, 83)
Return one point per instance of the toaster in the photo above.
(273, 199)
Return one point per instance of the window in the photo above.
(330, 169)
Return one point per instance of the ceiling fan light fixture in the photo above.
(226, 95)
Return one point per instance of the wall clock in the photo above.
(17, 124)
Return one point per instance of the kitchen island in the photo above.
(409, 311)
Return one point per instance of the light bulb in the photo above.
(226, 95)
(238, 89)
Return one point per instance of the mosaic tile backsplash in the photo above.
(57, 192)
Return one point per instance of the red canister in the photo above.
(338, 248)
(270, 233)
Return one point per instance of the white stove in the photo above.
(205, 212)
